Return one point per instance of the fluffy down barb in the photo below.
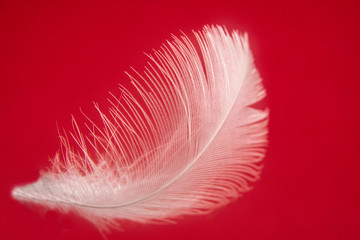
(186, 142)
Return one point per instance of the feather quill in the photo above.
(188, 142)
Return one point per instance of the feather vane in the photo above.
(188, 142)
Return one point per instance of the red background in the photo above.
(58, 56)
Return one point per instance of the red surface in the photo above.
(57, 56)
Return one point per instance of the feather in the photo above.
(187, 141)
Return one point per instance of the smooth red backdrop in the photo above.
(58, 56)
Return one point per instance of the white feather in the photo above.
(188, 145)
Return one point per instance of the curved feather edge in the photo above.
(186, 143)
